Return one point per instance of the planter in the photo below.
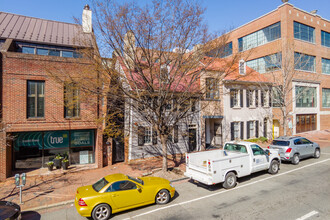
(57, 163)
(50, 167)
(65, 165)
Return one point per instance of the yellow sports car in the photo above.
(119, 192)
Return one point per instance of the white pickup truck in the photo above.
(237, 159)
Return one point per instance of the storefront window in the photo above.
(34, 149)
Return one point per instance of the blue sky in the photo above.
(221, 15)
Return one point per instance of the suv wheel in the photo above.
(295, 159)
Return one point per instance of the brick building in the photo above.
(37, 123)
(289, 33)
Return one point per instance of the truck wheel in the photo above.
(317, 153)
(230, 181)
(274, 167)
(295, 159)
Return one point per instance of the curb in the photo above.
(38, 208)
(177, 180)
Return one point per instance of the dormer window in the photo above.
(242, 67)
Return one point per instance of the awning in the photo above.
(213, 116)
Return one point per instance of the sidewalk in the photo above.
(45, 188)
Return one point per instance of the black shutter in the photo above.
(247, 130)
(247, 98)
(270, 97)
(262, 98)
(141, 132)
(154, 137)
(232, 130)
(242, 130)
(257, 129)
(176, 134)
(241, 94)
(232, 97)
(257, 98)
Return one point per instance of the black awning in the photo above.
(212, 116)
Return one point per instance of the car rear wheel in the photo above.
(274, 167)
(162, 197)
(101, 212)
(317, 153)
(230, 181)
(295, 159)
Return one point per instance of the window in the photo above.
(326, 98)
(242, 67)
(257, 150)
(174, 136)
(304, 32)
(304, 62)
(212, 88)
(237, 130)
(260, 37)
(236, 98)
(265, 99)
(224, 51)
(121, 185)
(266, 64)
(235, 147)
(67, 53)
(252, 129)
(35, 99)
(277, 97)
(28, 50)
(100, 184)
(146, 136)
(325, 39)
(252, 98)
(325, 66)
(71, 101)
(305, 96)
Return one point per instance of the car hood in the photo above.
(154, 180)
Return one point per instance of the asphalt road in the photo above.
(296, 192)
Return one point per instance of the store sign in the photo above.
(56, 139)
(83, 138)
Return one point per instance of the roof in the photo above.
(231, 71)
(36, 30)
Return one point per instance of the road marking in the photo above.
(307, 215)
(229, 190)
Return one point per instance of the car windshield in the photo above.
(100, 184)
(235, 147)
(280, 143)
(136, 180)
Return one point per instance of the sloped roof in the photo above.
(36, 30)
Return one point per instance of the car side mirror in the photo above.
(267, 152)
(139, 188)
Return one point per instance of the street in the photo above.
(296, 192)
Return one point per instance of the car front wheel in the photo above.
(295, 159)
(274, 167)
(317, 153)
(101, 212)
(162, 197)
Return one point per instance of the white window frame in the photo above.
(147, 135)
(242, 64)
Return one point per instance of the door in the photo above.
(259, 160)
(217, 134)
(301, 147)
(118, 150)
(192, 139)
(276, 128)
(305, 122)
(309, 147)
(125, 194)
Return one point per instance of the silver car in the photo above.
(295, 148)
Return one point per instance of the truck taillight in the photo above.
(187, 160)
(288, 150)
(268, 147)
(209, 166)
(81, 202)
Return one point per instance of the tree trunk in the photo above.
(163, 139)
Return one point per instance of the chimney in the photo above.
(87, 20)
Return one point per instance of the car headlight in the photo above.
(171, 185)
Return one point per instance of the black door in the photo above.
(192, 139)
(118, 151)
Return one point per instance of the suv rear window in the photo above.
(280, 143)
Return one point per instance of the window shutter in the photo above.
(232, 98)
(257, 98)
(270, 97)
(257, 129)
(154, 137)
(247, 130)
(232, 131)
(241, 97)
(176, 134)
(262, 98)
(247, 98)
(242, 130)
(141, 132)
